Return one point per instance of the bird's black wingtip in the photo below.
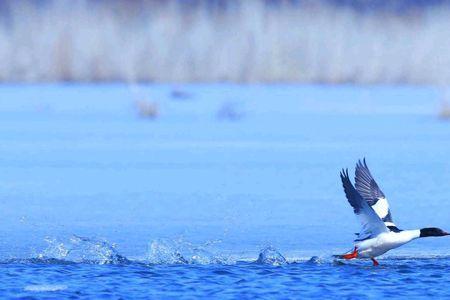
(344, 174)
(365, 164)
(362, 164)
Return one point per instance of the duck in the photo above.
(379, 234)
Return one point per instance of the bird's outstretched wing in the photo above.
(371, 223)
(369, 190)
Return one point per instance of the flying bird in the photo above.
(378, 234)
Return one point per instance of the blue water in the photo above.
(232, 191)
(398, 278)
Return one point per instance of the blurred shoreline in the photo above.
(255, 41)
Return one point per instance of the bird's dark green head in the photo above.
(432, 231)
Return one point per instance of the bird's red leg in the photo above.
(375, 263)
(352, 255)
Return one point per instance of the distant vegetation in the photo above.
(238, 41)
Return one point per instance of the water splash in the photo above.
(271, 256)
(82, 249)
(97, 250)
(179, 251)
(55, 249)
(86, 250)
(319, 260)
(314, 260)
(165, 252)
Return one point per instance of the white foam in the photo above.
(45, 287)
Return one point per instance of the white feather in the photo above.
(381, 207)
(385, 242)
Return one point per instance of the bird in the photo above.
(378, 233)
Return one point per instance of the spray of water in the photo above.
(81, 249)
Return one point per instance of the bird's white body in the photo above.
(384, 242)
(378, 233)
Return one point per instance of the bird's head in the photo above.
(433, 231)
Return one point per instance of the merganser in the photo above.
(378, 234)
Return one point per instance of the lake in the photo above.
(216, 191)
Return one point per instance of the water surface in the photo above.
(95, 200)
